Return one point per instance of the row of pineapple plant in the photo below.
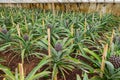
(62, 35)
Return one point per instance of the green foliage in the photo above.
(5, 36)
(61, 60)
(85, 77)
(90, 33)
(24, 47)
(92, 57)
(78, 77)
(110, 72)
(4, 46)
(93, 54)
(9, 75)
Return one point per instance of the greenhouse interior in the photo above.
(59, 39)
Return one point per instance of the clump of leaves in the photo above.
(33, 75)
(25, 46)
(61, 61)
(5, 35)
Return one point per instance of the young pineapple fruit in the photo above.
(58, 47)
(115, 60)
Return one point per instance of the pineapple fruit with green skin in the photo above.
(115, 60)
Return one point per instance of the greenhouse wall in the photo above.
(56, 1)
(104, 6)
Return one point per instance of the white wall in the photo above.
(62, 1)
